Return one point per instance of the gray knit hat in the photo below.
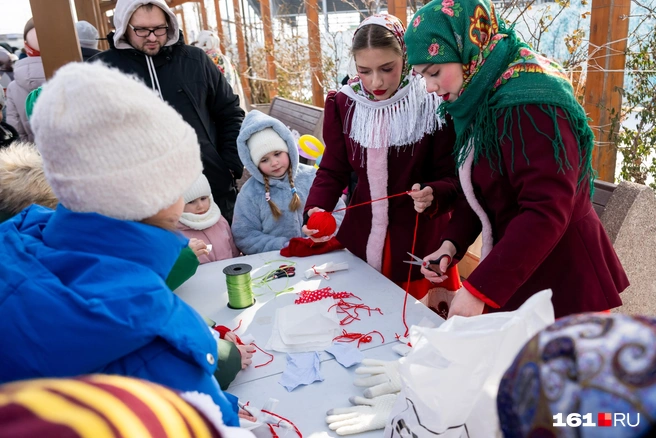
(87, 34)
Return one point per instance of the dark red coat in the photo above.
(546, 233)
(429, 161)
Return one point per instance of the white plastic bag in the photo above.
(451, 376)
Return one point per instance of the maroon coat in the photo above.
(546, 233)
(429, 161)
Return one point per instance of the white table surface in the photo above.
(306, 406)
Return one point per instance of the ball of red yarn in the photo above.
(324, 222)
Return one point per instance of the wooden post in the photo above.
(103, 25)
(203, 15)
(314, 47)
(89, 10)
(606, 62)
(219, 25)
(183, 24)
(398, 8)
(241, 47)
(269, 47)
(53, 20)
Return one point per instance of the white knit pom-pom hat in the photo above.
(110, 145)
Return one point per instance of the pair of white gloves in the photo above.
(371, 411)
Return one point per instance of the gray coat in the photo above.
(28, 76)
(253, 226)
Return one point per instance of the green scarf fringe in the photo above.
(487, 140)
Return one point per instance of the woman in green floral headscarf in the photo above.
(523, 151)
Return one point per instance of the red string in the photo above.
(268, 354)
(298, 432)
(371, 202)
(361, 338)
(407, 285)
(236, 328)
(345, 306)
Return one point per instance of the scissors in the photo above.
(420, 262)
(283, 271)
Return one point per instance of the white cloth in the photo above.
(451, 376)
(300, 328)
(103, 153)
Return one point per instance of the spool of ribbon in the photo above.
(311, 148)
(240, 289)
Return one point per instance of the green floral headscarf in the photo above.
(502, 75)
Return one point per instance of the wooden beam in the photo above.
(203, 15)
(58, 43)
(265, 10)
(88, 10)
(103, 25)
(398, 8)
(219, 25)
(241, 48)
(183, 23)
(314, 46)
(605, 75)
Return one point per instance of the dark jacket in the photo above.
(88, 53)
(429, 162)
(546, 233)
(192, 84)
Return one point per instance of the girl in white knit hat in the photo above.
(201, 221)
(269, 208)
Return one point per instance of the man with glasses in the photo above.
(148, 43)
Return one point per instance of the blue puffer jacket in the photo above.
(253, 226)
(82, 293)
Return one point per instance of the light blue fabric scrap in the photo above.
(346, 354)
(302, 369)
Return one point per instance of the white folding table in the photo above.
(306, 406)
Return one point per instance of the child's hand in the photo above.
(423, 198)
(198, 247)
(308, 232)
(246, 351)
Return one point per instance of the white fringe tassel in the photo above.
(399, 121)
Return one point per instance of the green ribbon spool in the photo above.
(240, 289)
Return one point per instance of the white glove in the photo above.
(384, 379)
(366, 414)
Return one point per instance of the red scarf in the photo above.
(30, 51)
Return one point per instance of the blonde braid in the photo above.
(295, 203)
(275, 211)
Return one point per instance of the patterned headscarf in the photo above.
(394, 25)
(595, 364)
(502, 75)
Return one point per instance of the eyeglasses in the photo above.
(145, 33)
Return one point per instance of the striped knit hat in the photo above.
(103, 406)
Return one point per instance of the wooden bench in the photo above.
(304, 118)
(603, 191)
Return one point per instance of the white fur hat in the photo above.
(200, 187)
(263, 142)
(110, 145)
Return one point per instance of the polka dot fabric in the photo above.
(310, 296)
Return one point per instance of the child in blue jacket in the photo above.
(269, 207)
(82, 288)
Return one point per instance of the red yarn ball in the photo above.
(324, 222)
